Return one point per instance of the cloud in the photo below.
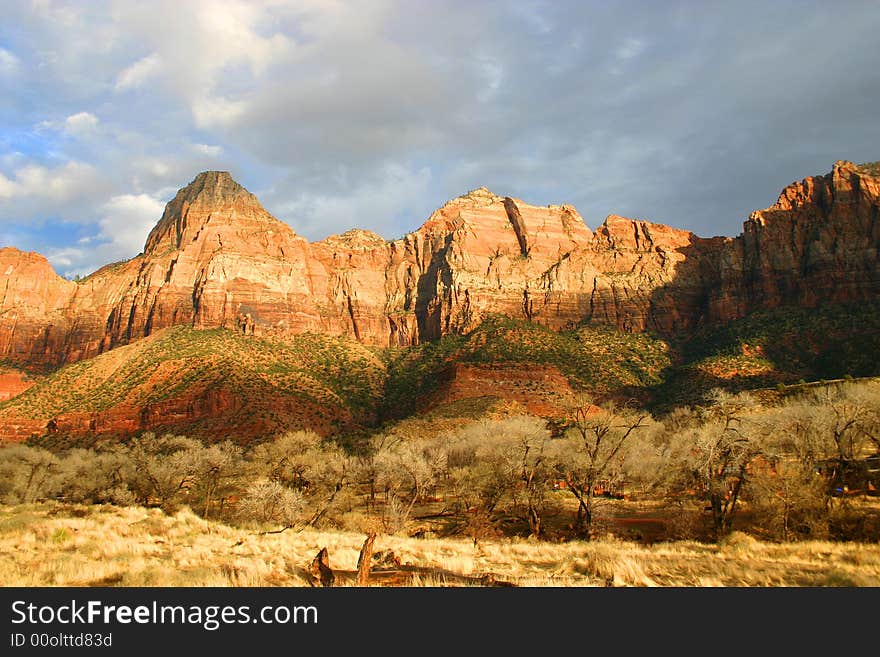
(373, 114)
(394, 196)
(76, 125)
(122, 230)
(630, 48)
(57, 185)
(9, 63)
(80, 123)
(206, 149)
(213, 112)
(7, 187)
(128, 219)
(139, 73)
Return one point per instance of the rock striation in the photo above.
(217, 258)
(819, 242)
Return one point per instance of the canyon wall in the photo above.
(217, 258)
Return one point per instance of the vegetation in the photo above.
(806, 468)
(337, 385)
(334, 375)
(694, 441)
(598, 358)
(52, 544)
(872, 168)
(785, 345)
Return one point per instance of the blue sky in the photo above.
(372, 114)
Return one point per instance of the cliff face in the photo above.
(36, 322)
(819, 242)
(218, 258)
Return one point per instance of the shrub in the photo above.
(268, 501)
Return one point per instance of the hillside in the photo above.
(515, 359)
(208, 383)
(785, 345)
(217, 383)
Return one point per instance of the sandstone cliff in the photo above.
(818, 243)
(217, 258)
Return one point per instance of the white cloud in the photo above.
(34, 193)
(493, 71)
(59, 184)
(125, 222)
(206, 149)
(9, 63)
(394, 190)
(232, 27)
(7, 187)
(217, 112)
(80, 123)
(138, 73)
(75, 125)
(63, 258)
(630, 49)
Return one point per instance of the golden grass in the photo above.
(56, 545)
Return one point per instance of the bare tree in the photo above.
(712, 461)
(267, 501)
(368, 461)
(284, 458)
(535, 455)
(499, 461)
(220, 468)
(164, 468)
(786, 490)
(26, 473)
(407, 472)
(850, 418)
(319, 470)
(92, 476)
(597, 443)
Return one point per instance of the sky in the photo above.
(374, 113)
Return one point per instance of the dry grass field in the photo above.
(51, 544)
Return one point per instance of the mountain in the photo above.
(218, 260)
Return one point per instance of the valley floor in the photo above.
(53, 544)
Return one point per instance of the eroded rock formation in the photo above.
(218, 258)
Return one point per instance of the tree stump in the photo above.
(320, 568)
(365, 560)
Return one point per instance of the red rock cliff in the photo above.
(218, 258)
(819, 242)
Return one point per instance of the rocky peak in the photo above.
(357, 239)
(32, 269)
(213, 186)
(218, 258)
(212, 196)
(481, 196)
(847, 183)
(618, 232)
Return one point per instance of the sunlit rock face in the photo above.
(217, 258)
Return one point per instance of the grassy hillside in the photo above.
(326, 372)
(336, 384)
(597, 358)
(784, 345)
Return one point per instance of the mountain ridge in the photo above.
(217, 258)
